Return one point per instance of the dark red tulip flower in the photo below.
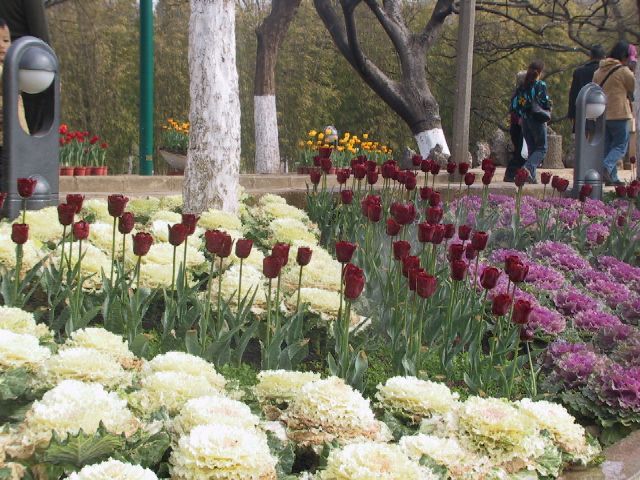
(374, 212)
(632, 160)
(316, 160)
(425, 232)
(303, 257)
(463, 168)
(226, 246)
(409, 262)
(66, 214)
(585, 192)
(451, 167)
(434, 199)
(521, 310)
(281, 250)
(425, 166)
(26, 186)
(621, 191)
(401, 177)
(315, 176)
(518, 272)
(458, 270)
(416, 160)
(126, 222)
(243, 247)
(545, 178)
(410, 182)
(388, 169)
(527, 334)
(456, 251)
(633, 190)
(344, 251)
(116, 204)
(371, 166)
(621, 221)
(438, 234)
(368, 201)
(142, 242)
(190, 220)
(178, 234)
(501, 304)
(342, 175)
(449, 230)
(563, 184)
(75, 199)
(554, 182)
(271, 266)
(346, 197)
(3, 197)
(359, 171)
(489, 278)
(326, 165)
(393, 227)
(325, 152)
(81, 230)
(353, 282)
(404, 213)
(19, 233)
(469, 178)
(213, 240)
(521, 177)
(487, 165)
(412, 276)
(486, 178)
(434, 215)
(464, 232)
(372, 177)
(425, 193)
(470, 253)
(435, 168)
(479, 240)
(426, 285)
(401, 249)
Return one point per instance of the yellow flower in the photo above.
(309, 142)
(327, 131)
(365, 135)
(321, 136)
(346, 135)
(340, 148)
(301, 144)
(312, 133)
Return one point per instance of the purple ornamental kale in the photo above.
(548, 321)
(594, 320)
(545, 278)
(619, 387)
(609, 337)
(571, 301)
(574, 369)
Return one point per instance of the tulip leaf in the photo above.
(82, 449)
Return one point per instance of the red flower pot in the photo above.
(80, 171)
(104, 170)
(93, 171)
(66, 171)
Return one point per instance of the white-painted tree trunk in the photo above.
(428, 139)
(265, 120)
(211, 177)
(636, 115)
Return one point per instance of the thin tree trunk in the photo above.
(270, 35)
(212, 173)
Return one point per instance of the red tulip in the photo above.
(344, 251)
(374, 212)
(343, 175)
(633, 190)
(393, 227)
(271, 266)
(325, 152)
(469, 178)
(225, 247)
(521, 310)
(456, 250)
(401, 249)
(479, 240)
(213, 240)
(116, 204)
(463, 168)
(527, 334)
(401, 177)
(621, 191)
(409, 262)
(585, 192)
(359, 171)
(372, 177)
(371, 166)
(545, 178)
(63, 129)
(435, 168)
(126, 222)
(178, 234)
(621, 221)
(142, 242)
(410, 182)
(243, 247)
(487, 164)
(489, 277)
(76, 200)
(458, 270)
(326, 165)
(281, 250)
(518, 272)
(464, 231)
(315, 176)
(521, 177)
(353, 282)
(26, 186)
(425, 193)
(416, 160)
(404, 213)
(426, 285)
(425, 165)
(554, 182)
(470, 253)
(438, 234)
(501, 304)
(388, 169)
(412, 276)
(425, 232)
(303, 257)
(434, 215)
(449, 230)
(346, 197)
(510, 261)
(190, 220)
(81, 230)
(367, 202)
(451, 167)
(19, 233)
(486, 178)
(66, 214)
(563, 184)
(434, 199)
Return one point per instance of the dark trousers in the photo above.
(516, 160)
(34, 111)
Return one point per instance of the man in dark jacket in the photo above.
(27, 17)
(581, 76)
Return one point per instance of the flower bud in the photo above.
(303, 257)
(243, 247)
(142, 242)
(126, 222)
(19, 233)
(81, 230)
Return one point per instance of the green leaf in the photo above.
(144, 449)
(82, 449)
(13, 384)
(285, 452)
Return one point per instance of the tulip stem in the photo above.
(173, 271)
(138, 273)
(184, 263)
(113, 252)
(207, 310)
(341, 291)
(219, 316)
(240, 288)
(299, 286)
(124, 246)
(344, 355)
(475, 273)
(24, 210)
(18, 268)
(534, 387)
(267, 342)
(64, 235)
(277, 319)
(514, 366)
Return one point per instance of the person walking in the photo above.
(582, 76)
(618, 83)
(515, 131)
(534, 107)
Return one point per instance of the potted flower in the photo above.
(80, 153)
(175, 141)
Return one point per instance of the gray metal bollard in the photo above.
(591, 104)
(30, 66)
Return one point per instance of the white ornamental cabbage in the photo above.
(252, 282)
(98, 209)
(369, 461)
(30, 254)
(222, 452)
(271, 198)
(214, 409)
(181, 362)
(19, 321)
(155, 275)
(214, 219)
(327, 410)
(171, 202)
(287, 230)
(102, 340)
(322, 272)
(113, 470)
(87, 365)
(166, 216)
(280, 386)
(273, 210)
(43, 224)
(18, 350)
(415, 397)
(143, 207)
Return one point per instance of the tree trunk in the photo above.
(211, 176)
(270, 35)
(636, 113)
